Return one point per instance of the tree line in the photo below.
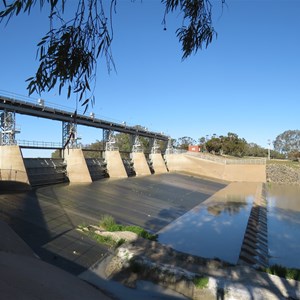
(286, 145)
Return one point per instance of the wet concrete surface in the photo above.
(216, 227)
(46, 218)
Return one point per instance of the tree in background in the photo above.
(233, 145)
(230, 145)
(202, 144)
(56, 154)
(214, 145)
(294, 155)
(184, 142)
(69, 51)
(288, 141)
(255, 150)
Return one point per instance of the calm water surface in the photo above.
(216, 227)
(284, 225)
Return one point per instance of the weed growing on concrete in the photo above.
(107, 240)
(283, 272)
(108, 223)
(82, 226)
(200, 282)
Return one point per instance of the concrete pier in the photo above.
(12, 168)
(77, 169)
(158, 163)
(140, 164)
(115, 166)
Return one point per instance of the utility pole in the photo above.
(269, 149)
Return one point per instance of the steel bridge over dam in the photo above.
(70, 120)
(73, 166)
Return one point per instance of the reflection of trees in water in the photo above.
(230, 207)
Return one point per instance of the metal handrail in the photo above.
(229, 161)
(40, 144)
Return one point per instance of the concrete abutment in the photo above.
(12, 168)
(241, 172)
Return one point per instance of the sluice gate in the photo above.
(97, 168)
(43, 171)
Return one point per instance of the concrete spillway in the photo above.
(77, 169)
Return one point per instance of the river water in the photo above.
(284, 225)
(216, 227)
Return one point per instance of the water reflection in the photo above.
(230, 208)
(284, 224)
(216, 227)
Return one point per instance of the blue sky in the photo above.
(246, 81)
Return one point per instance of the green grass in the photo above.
(106, 240)
(283, 272)
(200, 282)
(109, 224)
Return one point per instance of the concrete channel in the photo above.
(46, 217)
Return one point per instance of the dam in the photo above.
(162, 190)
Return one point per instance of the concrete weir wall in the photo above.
(140, 164)
(77, 169)
(158, 163)
(12, 166)
(231, 172)
(115, 166)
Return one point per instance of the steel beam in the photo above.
(43, 111)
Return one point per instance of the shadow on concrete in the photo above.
(8, 186)
(49, 231)
(46, 218)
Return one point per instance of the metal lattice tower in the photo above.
(69, 135)
(110, 140)
(170, 148)
(136, 145)
(155, 147)
(8, 128)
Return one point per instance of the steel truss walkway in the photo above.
(42, 111)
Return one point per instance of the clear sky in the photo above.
(246, 82)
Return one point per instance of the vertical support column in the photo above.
(140, 164)
(170, 148)
(158, 163)
(115, 166)
(136, 144)
(69, 135)
(8, 128)
(77, 169)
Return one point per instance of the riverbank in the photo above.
(150, 261)
(144, 260)
(283, 172)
